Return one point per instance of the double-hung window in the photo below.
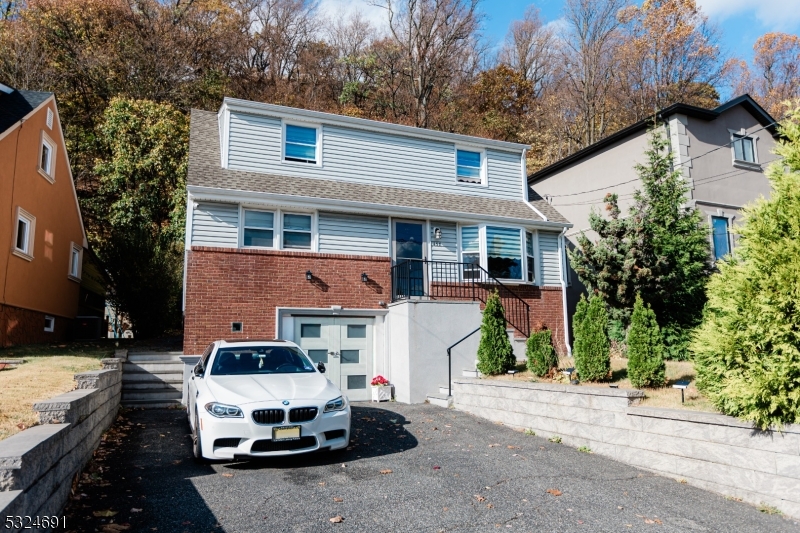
(471, 252)
(258, 229)
(296, 231)
(75, 262)
(469, 166)
(743, 148)
(24, 232)
(529, 256)
(47, 156)
(504, 252)
(300, 144)
(719, 227)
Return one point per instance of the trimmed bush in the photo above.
(495, 354)
(747, 349)
(591, 350)
(646, 366)
(540, 353)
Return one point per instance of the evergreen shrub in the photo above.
(591, 350)
(646, 366)
(540, 352)
(495, 354)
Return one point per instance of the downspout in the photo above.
(561, 251)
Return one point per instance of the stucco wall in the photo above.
(711, 451)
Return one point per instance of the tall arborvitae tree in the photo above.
(540, 352)
(747, 350)
(495, 354)
(591, 347)
(645, 348)
(660, 251)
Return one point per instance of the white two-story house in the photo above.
(371, 245)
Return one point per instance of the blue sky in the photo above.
(741, 21)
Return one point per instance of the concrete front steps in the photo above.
(442, 397)
(152, 379)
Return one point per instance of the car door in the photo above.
(194, 381)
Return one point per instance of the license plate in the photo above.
(286, 433)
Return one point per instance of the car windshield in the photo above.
(231, 361)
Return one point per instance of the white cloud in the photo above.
(335, 9)
(773, 15)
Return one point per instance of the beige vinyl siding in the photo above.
(215, 224)
(351, 234)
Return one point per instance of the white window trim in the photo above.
(52, 326)
(75, 276)
(26, 254)
(318, 154)
(484, 256)
(739, 163)
(275, 225)
(484, 166)
(48, 174)
(312, 230)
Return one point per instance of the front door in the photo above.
(409, 249)
(344, 345)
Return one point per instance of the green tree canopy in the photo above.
(747, 349)
(140, 208)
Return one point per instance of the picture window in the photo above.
(300, 145)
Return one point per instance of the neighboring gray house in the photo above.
(721, 152)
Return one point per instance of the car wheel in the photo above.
(197, 447)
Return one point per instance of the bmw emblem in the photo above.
(285, 402)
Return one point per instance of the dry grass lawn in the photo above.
(47, 371)
(666, 397)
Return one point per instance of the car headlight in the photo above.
(335, 405)
(220, 410)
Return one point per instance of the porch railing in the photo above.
(443, 280)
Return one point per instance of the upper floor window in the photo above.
(297, 231)
(719, 228)
(503, 253)
(47, 153)
(24, 232)
(744, 148)
(258, 229)
(469, 166)
(300, 144)
(75, 262)
(530, 256)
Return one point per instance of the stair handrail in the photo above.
(450, 359)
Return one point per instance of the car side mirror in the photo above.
(198, 371)
(321, 367)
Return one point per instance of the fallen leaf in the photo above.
(321, 483)
(489, 506)
(106, 513)
(437, 467)
(227, 475)
(657, 521)
(338, 500)
(512, 447)
(115, 528)
(554, 492)
(387, 471)
(648, 521)
(480, 498)
(493, 445)
(337, 519)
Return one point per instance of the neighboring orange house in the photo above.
(42, 238)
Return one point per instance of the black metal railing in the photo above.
(443, 280)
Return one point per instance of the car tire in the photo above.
(197, 447)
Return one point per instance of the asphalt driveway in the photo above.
(410, 468)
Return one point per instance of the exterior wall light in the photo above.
(364, 277)
(309, 275)
(437, 233)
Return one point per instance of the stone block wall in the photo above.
(38, 465)
(711, 451)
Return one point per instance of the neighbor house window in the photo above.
(719, 227)
(24, 232)
(297, 231)
(49, 323)
(300, 145)
(529, 256)
(47, 153)
(75, 262)
(469, 167)
(503, 252)
(471, 252)
(744, 148)
(258, 229)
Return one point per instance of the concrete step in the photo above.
(440, 400)
(140, 358)
(467, 373)
(444, 389)
(151, 394)
(154, 367)
(144, 376)
(152, 404)
(152, 386)
(151, 352)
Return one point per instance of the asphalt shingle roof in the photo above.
(205, 171)
(15, 105)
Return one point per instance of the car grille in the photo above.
(227, 443)
(303, 414)
(283, 445)
(334, 434)
(268, 416)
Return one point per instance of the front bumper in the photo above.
(218, 435)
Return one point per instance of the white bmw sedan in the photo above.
(263, 398)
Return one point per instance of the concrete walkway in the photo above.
(411, 468)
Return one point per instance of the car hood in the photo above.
(243, 389)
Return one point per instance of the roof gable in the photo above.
(16, 105)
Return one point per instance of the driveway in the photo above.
(410, 468)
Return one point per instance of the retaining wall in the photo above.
(711, 451)
(38, 465)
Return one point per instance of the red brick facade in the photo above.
(23, 326)
(225, 285)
